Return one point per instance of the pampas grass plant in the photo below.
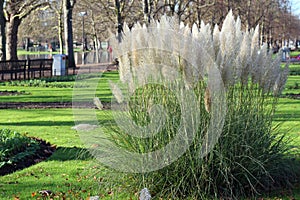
(250, 156)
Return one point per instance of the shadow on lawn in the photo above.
(38, 123)
(70, 153)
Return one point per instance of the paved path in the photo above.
(92, 68)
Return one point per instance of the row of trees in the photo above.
(278, 24)
(14, 12)
(58, 20)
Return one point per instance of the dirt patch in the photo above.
(11, 93)
(39, 105)
(45, 151)
(293, 96)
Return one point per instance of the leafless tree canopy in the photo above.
(277, 23)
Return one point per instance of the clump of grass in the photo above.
(250, 156)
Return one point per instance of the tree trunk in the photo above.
(60, 27)
(60, 33)
(146, 11)
(249, 15)
(96, 40)
(119, 19)
(12, 38)
(2, 30)
(68, 8)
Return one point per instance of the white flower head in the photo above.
(116, 92)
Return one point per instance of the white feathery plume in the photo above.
(216, 40)
(238, 25)
(116, 92)
(98, 103)
(244, 56)
(266, 80)
(227, 35)
(256, 68)
(181, 25)
(126, 28)
(207, 39)
(169, 43)
(255, 41)
(276, 68)
(227, 44)
(281, 80)
(195, 31)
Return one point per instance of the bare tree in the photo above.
(15, 12)
(57, 8)
(3, 38)
(68, 6)
(40, 27)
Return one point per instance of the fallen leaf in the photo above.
(45, 192)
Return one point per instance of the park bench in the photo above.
(16, 69)
(42, 67)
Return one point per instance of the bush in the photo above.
(249, 157)
(15, 147)
(42, 83)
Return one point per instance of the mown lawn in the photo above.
(292, 85)
(294, 53)
(58, 91)
(70, 172)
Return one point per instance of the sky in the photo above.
(295, 6)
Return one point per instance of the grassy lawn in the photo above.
(295, 69)
(24, 52)
(294, 53)
(60, 91)
(37, 94)
(53, 125)
(292, 85)
(62, 175)
(70, 172)
(288, 117)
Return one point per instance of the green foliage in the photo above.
(295, 86)
(24, 52)
(15, 147)
(65, 173)
(250, 157)
(39, 83)
(71, 77)
(52, 82)
(295, 69)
